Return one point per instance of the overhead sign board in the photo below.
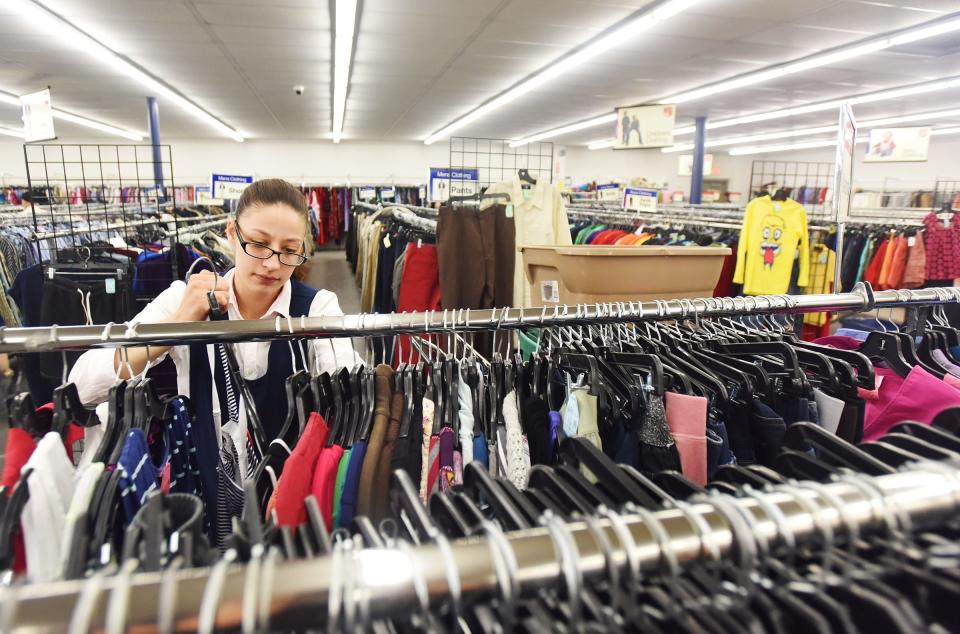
(895, 145)
(641, 127)
(609, 191)
(37, 116)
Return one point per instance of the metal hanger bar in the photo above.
(57, 338)
(928, 494)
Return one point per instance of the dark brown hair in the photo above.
(272, 191)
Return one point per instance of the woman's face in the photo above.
(276, 226)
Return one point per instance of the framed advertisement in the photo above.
(898, 145)
(640, 127)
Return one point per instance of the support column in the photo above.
(699, 147)
(153, 119)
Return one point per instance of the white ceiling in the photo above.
(420, 64)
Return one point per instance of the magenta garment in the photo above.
(949, 379)
(687, 419)
(919, 397)
(839, 342)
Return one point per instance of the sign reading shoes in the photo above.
(229, 186)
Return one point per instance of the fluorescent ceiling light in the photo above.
(346, 21)
(601, 144)
(763, 149)
(626, 31)
(55, 28)
(573, 127)
(11, 132)
(13, 100)
(833, 104)
(942, 26)
(858, 49)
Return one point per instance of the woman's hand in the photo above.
(194, 305)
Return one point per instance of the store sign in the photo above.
(202, 196)
(843, 178)
(445, 182)
(639, 199)
(895, 145)
(37, 116)
(387, 193)
(609, 191)
(644, 127)
(685, 165)
(229, 187)
(367, 193)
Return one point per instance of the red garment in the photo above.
(943, 247)
(20, 446)
(433, 471)
(724, 287)
(419, 289)
(294, 484)
(872, 274)
(324, 480)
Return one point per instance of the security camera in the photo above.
(298, 89)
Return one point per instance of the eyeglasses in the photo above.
(263, 252)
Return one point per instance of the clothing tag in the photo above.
(111, 285)
(527, 194)
(508, 211)
(776, 205)
(912, 241)
(386, 240)
(419, 242)
(550, 291)
(823, 258)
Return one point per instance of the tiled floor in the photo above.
(329, 270)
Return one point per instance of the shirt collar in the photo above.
(280, 306)
(536, 198)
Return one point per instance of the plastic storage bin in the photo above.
(589, 274)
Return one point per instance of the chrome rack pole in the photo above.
(54, 338)
(927, 494)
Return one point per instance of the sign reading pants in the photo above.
(446, 182)
(228, 186)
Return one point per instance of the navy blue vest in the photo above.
(268, 394)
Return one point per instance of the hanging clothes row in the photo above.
(688, 405)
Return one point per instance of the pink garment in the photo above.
(687, 419)
(839, 342)
(919, 397)
(949, 379)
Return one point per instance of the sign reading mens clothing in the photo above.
(445, 182)
(37, 116)
(639, 199)
(645, 127)
(892, 145)
(229, 187)
(609, 191)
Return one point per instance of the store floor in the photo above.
(329, 270)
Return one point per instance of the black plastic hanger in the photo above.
(447, 517)
(23, 414)
(928, 433)
(802, 436)
(919, 446)
(113, 424)
(802, 466)
(524, 175)
(67, 408)
(677, 486)
(886, 347)
(407, 506)
(610, 479)
(10, 521)
(892, 455)
(480, 484)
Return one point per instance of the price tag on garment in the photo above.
(508, 211)
(912, 241)
(419, 242)
(111, 285)
(386, 240)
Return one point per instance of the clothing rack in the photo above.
(726, 218)
(390, 580)
(861, 298)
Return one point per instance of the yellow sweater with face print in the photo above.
(771, 235)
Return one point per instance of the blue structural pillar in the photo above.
(153, 118)
(699, 145)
